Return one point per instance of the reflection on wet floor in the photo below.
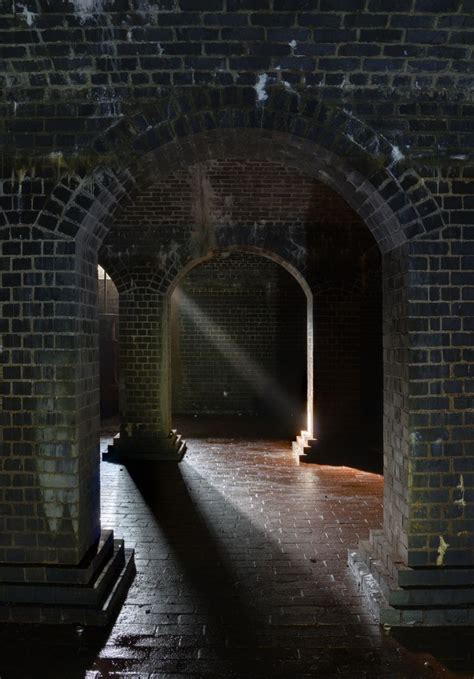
(241, 572)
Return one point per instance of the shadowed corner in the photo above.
(363, 456)
(438, 648)
(50, 651)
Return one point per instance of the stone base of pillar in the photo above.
(88, 594)
(311, 450)
(400, 596)
(171, 448)
(305, 447)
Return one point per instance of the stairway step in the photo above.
(69, 594)
(110, 589)
(431, 598)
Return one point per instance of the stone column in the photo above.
(144, 377)
(49, 463)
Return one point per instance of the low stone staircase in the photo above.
(88, 594)
(171, 448)
(305, 447)
(400, 596)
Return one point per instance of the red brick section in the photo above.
(239, 341)
(240, 192)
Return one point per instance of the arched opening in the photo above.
(265, 207)
(388, 198)
(241, 347)
(108, 312)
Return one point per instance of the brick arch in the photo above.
(326, 143)
(294, 271)
(228, 240)
(118, 272)
(182, 271)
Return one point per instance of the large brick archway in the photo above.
(406, 223)
(325, 142)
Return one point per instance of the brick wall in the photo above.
(49, 461)
(353, 51)
(233, 309)
(240, 191)
(240, 341)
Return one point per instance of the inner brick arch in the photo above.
(329, 144)
(302, 282)
(164, 208)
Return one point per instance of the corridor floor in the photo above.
(241, 572)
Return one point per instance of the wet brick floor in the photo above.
(241, 572)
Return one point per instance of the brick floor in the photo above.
(241, 572)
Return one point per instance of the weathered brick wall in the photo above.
(396, 395)
(351, 50)
(240, 341)
(428, 397)
(441, 395)
(49, 461)
(238, 191)
(142, 340)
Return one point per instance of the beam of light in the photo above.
(259, 379)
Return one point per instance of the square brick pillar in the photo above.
(423, 559)
(144, 378)
(49, 466)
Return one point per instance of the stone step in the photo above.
(367, 584)
(377, 569)
(427, 617)
(305, 447)
(379, 546)
(398, 607)
(112, 593)
(171, 448)
(76, 575)
(70, 594)
(431, 598)
(435, 577)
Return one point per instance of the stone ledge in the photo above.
(428, 606)
(81, 574)
(93, 603)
